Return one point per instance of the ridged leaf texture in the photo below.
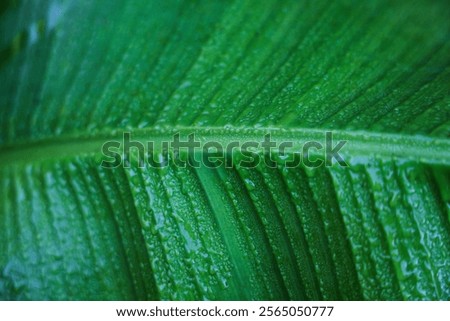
(74, 74)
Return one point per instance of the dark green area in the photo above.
(74, 74)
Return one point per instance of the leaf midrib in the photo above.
(359, 146)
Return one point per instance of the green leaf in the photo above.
(77, 74)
